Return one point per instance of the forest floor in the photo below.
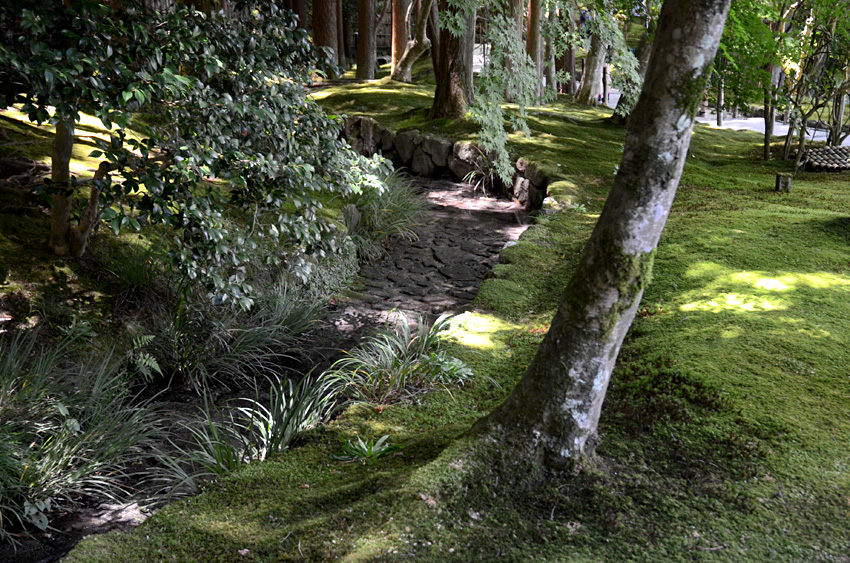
(725, 430)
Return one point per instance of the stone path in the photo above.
(458, 243)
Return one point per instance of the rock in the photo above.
(466, 152)
(460, 168)
(438, 149)
(783, 182)
(369, 136)
(521, 190)
(351, 127)
(405, 143)
(421, 164)
(387, 140)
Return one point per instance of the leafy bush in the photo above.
(66, 433)
(389, 364)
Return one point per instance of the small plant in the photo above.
(365, 452)
(388, 364)
(384, 213)
(578, 208)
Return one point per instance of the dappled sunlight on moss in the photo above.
(753, 291)
(479, 331)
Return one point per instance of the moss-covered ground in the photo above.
(726, 431)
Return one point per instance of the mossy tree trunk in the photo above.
(552, 415)
(366, 57)
(454, 87)
(591, 80)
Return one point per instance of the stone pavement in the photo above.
(458, 243)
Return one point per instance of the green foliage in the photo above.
(367, 452)
(196, 342)
(67, 433)
(233, 107)
(391, 363)
(383, 213)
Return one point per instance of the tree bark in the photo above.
(720, 102)
(552, 415)
(325, 32)
(533, 43)
(453, 91)
(591, 78)
(340, 35)
(399, 30)
(366, 57)
(60, 214)
(300, 9)
(420, 43)
(434, 35)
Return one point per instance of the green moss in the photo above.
(724, 435)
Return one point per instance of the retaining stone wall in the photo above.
(434, 157)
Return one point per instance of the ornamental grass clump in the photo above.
(399, 362)
(68, 433)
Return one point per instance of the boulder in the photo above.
(405, 143)
(438, 149)
(460, 168)
(421, 164)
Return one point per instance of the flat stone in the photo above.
(451, 255)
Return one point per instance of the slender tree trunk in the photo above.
(403, 71)
(467, 55)
(399, 30)
(552, 415)
(325, 32)
(60, 215)
(533, 43)
(549, 69)
(606, 83)
(340, 35)
(366, 57)
(453, 92)
(838, 105)
(720, 102)
(591, 77)
(434, 34)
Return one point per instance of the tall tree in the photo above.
(325, 29)
(454, 89)
(366, 57)
(399, 30)
(552, 415)
(534, 41)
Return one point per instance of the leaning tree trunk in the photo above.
(366, 57)
(60, 214)
(591, 79)
(552, 415)
(420, 43)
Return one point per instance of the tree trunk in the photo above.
(399, 31)
(300, 9)
(366, 57)
(549, 68)
(774, 73)
(838, 105)
(434, 34)
(467, 55)
(552, 415)
(720, 103)
(325, 32)
(453, 92)
(534, 45)
(340, 35)
(60, 214)
(420, 43)
(591, 78)
(515, 12)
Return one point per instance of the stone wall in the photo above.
(434, 157)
